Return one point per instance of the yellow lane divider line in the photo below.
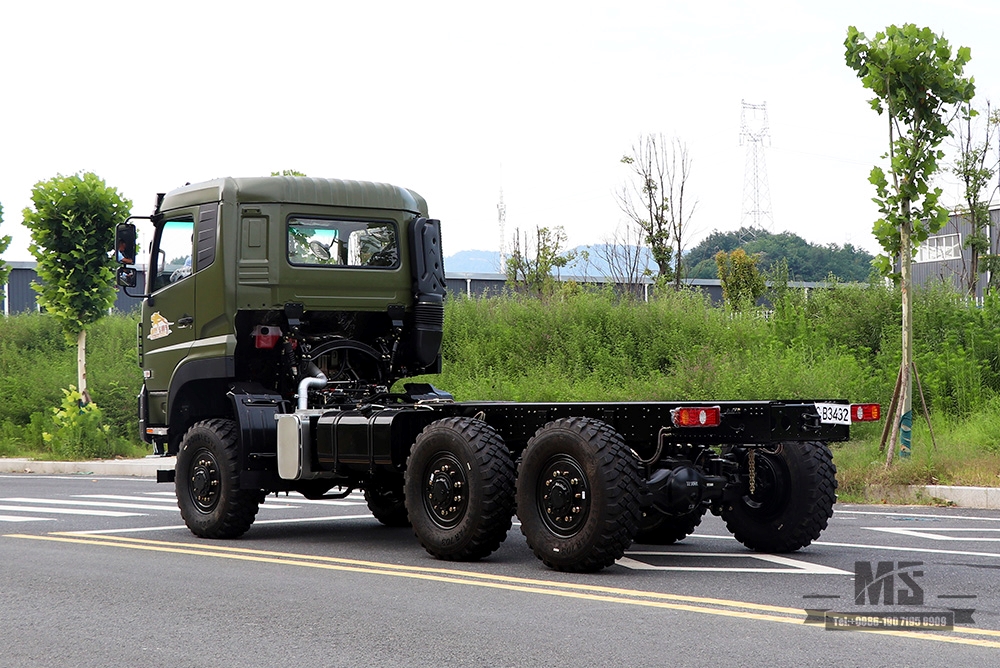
(720, 607)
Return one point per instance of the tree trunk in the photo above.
(81, 366)
(906, 386)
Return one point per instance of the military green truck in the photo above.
(281, 314)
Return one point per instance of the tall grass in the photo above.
(839, 342)
(676, 347)
(37, 366)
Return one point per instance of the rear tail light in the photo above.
(866, 412)
(696, 416)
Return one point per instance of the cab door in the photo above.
(168, 315)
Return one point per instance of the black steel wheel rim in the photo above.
(770, 486)
(563, 496)
(446, 490)
(205, 481)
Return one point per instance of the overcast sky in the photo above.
(458, 100)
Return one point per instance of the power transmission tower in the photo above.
(502, 220)
(756, 194)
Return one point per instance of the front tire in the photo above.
(460, 489)
(792, 500)
(208, 482)
(578, 495)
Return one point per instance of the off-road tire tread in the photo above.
(241, 506)
(621, 522)
(388, 510)
(811, 500)
(497, 472)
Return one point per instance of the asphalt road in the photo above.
(98, 571)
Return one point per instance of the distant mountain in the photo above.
(473, 262)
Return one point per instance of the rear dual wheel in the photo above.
(578, 495)
(459, 489)
(791, 499)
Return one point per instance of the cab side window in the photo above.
(342, 243)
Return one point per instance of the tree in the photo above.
(805, 261)
(72, 231)
(627, 262)
(288, 172)
(649, 197)
(4, 269)
(916, 79)
(742, 284)
(531, 268)
(677, 177)
(975, 173)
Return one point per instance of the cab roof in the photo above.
(297, 190)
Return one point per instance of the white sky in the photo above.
(456, 100)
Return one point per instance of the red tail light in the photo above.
(696, 416)
(866, 412)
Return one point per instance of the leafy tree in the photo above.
(288, 172)
(976, 173)
(742, 283)
(805, 261)
(4, 269)
(72, 229)
(646, 198)
(531, 268)
(918, 82)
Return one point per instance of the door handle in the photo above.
(185, 321)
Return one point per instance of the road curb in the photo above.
(987, 498)
(139, 468)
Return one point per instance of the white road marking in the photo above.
(120, 497)
(93, 504)
(792, 566)
(294, 497)
(71, 511)
(12, 518)
(893, 548)
(167, 503)
(838, 511)
(936, 534)
(297, 520)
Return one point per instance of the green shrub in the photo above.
(78, 430)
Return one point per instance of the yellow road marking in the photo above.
(720, 607)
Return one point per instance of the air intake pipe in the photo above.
(316, 380)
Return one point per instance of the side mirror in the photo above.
(126, 277)
(125, 244)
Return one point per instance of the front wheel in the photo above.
(459, 489)
(208, 482)
(578, 495)
(787, 499)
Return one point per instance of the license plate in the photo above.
(834, 413)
